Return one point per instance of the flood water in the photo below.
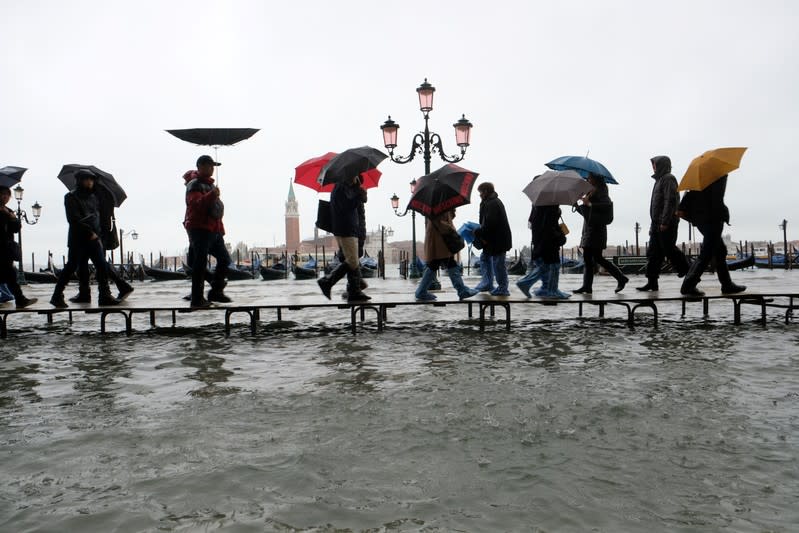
(562, 424)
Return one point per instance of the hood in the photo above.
(189, 175)
(662, 165)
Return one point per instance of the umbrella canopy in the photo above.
(104, 179)
(214, 136)
(583, 166)
(557, 187)
(350, 163)
(467, 231)
(10, 176)
(709, 167)
(307, 174)
(446, 188)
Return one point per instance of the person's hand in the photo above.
(664, 227)
(680, 213)
(93, 236)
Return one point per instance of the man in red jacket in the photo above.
(203, 222)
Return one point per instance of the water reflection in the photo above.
(351, 368)
(17, 380)
(210, 371)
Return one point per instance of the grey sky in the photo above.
(97, 82)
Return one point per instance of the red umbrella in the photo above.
(307, 174)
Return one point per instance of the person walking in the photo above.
(495, 236)
(544, 257)
(437, 254)
(345, 200)
(597, 212)
(9, 251)
(110, 241)
(83, 215)
(664, 225)
(706, 210)
(203, 222)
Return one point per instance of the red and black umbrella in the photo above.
(446, 188)
(307, 174)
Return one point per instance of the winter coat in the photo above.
(545, 228)
(434, 245)
(83, 214)
(204, 209)
(494, 231)
(663, 204)
(345, 200)
(595, 232)
(8, 227)
(706, 206)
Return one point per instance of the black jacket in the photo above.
(345, 200)
(706, 206)
(595, 232)
(663, 204)
(545, 227)
(494, 230)
(83, 215)
(8, 227)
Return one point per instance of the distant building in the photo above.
(292, 221)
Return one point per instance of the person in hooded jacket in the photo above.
(437, 254)
(664, 225)
(203, 222)
(9, 250)
(706, 210)
(495, 236)
(83, 214)
(596, 210)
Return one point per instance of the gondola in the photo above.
(741, 263)
(305, 271)
(162, 274)
(43, 276)
(237, 274)
(276, 271)
(518, 267)
(368, 266)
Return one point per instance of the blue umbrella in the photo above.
(467, 231)
(583, 166)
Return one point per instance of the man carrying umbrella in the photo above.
(203, 222)
(83, 215)
(495, 235)
(664, 225)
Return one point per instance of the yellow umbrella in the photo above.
(709, 167)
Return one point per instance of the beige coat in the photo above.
(434, 246)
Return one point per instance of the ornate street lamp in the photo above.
(122, 234)
(384, 231)
(22, 216)
(425, 143)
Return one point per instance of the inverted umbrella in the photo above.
(104, 179)
(214, 136)
(350, 163)
(709, 167)
(307, 173)
(557, 187)
(583, 166)
(10, 176)
(446, 188)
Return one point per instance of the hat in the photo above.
(83, 173)
(207, 160)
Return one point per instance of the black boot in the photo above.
(691, 280)
(651, 285)
(326, 283)
(106, 298)
(84, 295)
(727, 285)
(354, 292)
(124, 289)
(20, 301)
(57, 299)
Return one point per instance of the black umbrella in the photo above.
(104, 179)
(350, 163)
(10, 176)
(214, 136)
(446, 188)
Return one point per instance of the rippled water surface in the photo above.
(562, 424)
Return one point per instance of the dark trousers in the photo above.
(713, 248)
(663, 244)
(593, 257)
(204, 243)
(8, 275)
(77, 253)
(83, 276)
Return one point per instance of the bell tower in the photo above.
(292, 222)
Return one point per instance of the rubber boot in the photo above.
(456, 277)
(354, 292)
(534, 272)
(501, 273)
(487, 270)
(554, 278)
(326, 282)
(727, 285)
(57, 299)
(422, 293)
(691, 280)
(545, 274)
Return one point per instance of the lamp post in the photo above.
(36, 211)
(122, 234)
(425, 143)
(784, 228)
(383, 232)
(637, 231)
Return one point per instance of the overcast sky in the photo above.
(98, 82)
